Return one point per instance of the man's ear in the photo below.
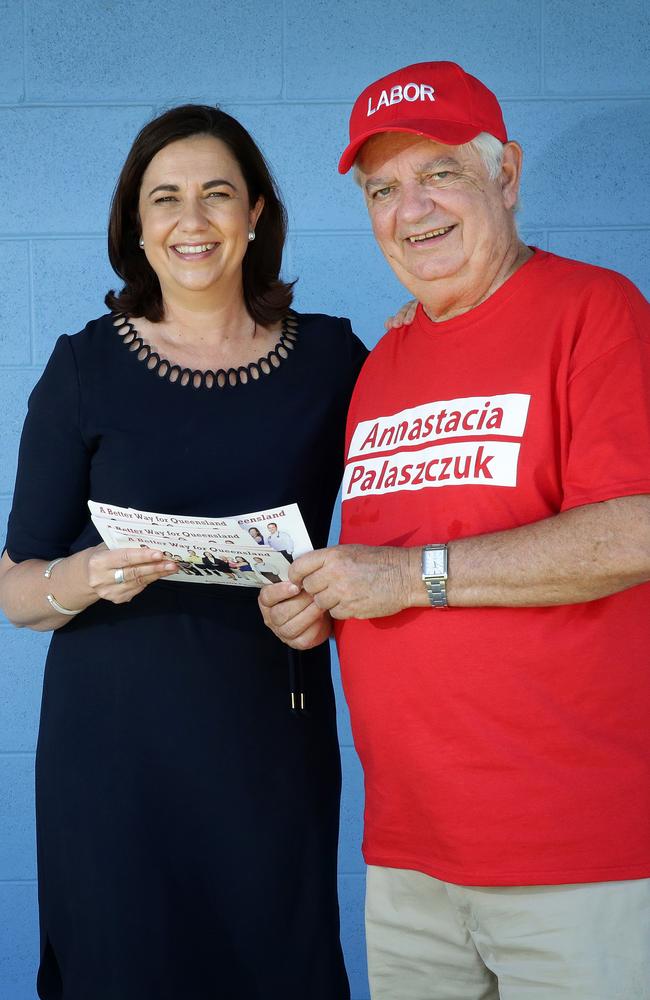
(513, 156)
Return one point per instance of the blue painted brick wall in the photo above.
(77, 79)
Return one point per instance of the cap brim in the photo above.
(449, 133)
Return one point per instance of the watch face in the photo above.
(434, 562)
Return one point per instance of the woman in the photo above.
(187, 818)
(214, 565)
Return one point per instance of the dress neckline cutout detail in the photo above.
(222, 378)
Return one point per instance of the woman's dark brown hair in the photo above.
(267, 297)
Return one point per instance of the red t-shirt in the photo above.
(504, 746)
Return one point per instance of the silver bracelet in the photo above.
(50, 598)
(48, 569)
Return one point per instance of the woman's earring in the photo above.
(251, 235)
(141, 243)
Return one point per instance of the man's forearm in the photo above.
(580, 555)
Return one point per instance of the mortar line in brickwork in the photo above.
(18, 881)
(36, 367)
(545, 227)
(225, 101)
(13, 106)
(352, 874)
(548, 227)
(575, 98)
(24, 50)
(599, 229)
(17, 753)
(32, 307)
(542, 42)
(6, 237)
(283, 43)
(559, 228)
(326, 101)
(331, 232)
(518, 98)
(638, 227)
(524, 227)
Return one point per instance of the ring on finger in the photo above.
(119, 575)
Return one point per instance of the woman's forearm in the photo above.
(24, 590)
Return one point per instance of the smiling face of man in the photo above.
(442, 223)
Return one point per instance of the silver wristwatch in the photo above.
(434, 574)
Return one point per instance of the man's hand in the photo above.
(404, 315)
(293, 616)
(360, 581)
(346, 581)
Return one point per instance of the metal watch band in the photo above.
(437, 591)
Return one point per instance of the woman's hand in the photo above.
(139, 567)
(403, 316)
(76, 582)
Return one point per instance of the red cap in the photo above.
(436, 99)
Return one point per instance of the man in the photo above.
(281, 541)
(500, 700)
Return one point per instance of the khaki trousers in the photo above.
(431, 940)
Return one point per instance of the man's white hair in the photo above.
(488, 147)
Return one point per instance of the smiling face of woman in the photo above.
(195, 217)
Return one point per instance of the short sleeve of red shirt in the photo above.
(609, 398)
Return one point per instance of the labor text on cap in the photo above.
(409, 92)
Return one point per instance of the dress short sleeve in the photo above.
(357, 351)
(49, 508)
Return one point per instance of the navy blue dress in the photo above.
(187, 819)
